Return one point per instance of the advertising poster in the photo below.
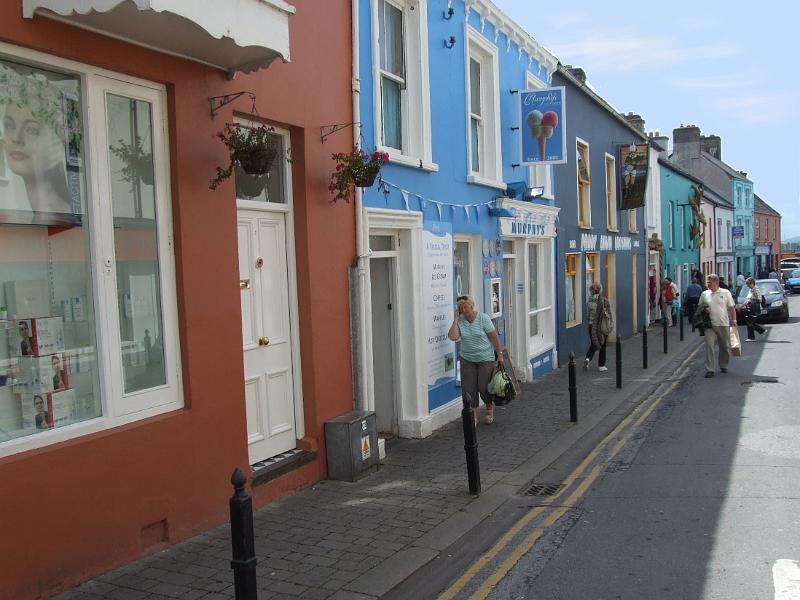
(633, 160)
(40, 140)
(437, 273)
(543, 129)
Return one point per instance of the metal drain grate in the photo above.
(762, 380)
(544, 489)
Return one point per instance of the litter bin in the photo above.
(351, 441)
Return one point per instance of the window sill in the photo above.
(408, 161)
(571, 324)
(485, 181)
(613, 229)
(586, 227)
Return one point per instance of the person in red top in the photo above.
(667, 296)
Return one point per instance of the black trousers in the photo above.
(752, 325)
(592, 349)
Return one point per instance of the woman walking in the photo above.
(753, 306)
(600, 325)
(479, 344)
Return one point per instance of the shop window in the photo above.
(401, 80)
(483, 110)
(540, 331)
(572, 291)
(461, 268)
(591, 269)
(584, 182)
(83, 264)
(611, 193)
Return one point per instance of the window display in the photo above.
(83, 264)
(45, 265)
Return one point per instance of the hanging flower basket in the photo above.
(355, 169)
(253, 149)
(249, 185)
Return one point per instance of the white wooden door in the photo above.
(266, 333)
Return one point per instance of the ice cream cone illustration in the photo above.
(548, 124)
(534, 120)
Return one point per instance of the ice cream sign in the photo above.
(543, 132)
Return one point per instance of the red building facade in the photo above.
(767, 236)
(155, 334)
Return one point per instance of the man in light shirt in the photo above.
(721, 309)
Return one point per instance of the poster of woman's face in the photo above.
(35, 115)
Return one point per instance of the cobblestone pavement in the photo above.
(340, 540)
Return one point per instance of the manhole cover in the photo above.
(543, 489)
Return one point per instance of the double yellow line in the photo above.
(637, 417)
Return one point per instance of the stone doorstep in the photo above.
(272, 468)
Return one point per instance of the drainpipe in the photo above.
(358, 272)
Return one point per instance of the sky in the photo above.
(729, 67)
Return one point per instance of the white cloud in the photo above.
(629, 52)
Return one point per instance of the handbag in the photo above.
(606, 324)
(501, 386)
(736, 343)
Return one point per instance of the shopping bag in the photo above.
(736, 343)
(501, 387)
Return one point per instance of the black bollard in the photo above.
(471, 450)
(680, 316)
(644, 347)
(242, 540)
(619, 361)
(664, 325)
(573, 390)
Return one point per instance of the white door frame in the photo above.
(413, 417)
(291, 271)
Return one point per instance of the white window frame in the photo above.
(730, 234)
(472, 264)
(539, 175)
(611, 192)
(415, 98)
(543, 339)
(118, 408)
(632, 227)
(490, 172)
(588, 223)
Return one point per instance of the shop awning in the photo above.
(232, 35)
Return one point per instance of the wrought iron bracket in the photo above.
(217, 102)
(326, 131)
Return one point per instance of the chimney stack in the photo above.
(577, 72)
(635, 121)
(662, 141)
(711, 144)
(686, 146)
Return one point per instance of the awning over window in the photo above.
(232, 35)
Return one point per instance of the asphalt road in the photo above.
(699, 501)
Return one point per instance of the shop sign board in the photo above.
(543, 126)
(437, 273)
(633, 164)
(737, 231)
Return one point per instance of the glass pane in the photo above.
(136, 246)
(533, 277)
(390, 39)
(380, 242)
(508, 247)
(391, 112)
(475, 86)
(48, 376)
(569, 285)
(534, 325)
(266, 188)
(475, 141)
(461, 261)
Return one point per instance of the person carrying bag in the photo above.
(601, 324)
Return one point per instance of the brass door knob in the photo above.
(263, 341)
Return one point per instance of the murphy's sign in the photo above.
(529, 222)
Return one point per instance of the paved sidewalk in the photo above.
(358, 540)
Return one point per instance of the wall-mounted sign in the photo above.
(737, 231)
(543, 127)
(437, 272)
(633, 160)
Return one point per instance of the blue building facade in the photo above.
(680, 207)
(743, 216)
(596, 240)
(437, 91)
